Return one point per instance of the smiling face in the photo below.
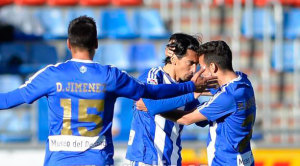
(186, 66)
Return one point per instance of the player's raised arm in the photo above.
(198, 84)
(127, 86)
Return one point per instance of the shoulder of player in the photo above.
(109, 69)
(224, 96)
(45, 72)
(49, 68)
(152, 75)
(236, 94)
(113, 72)
(239, 89)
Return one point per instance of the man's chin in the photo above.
(186, 79)
(189, 78)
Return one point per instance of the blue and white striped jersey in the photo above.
(155, 140)
(231, 114)
(81, 96)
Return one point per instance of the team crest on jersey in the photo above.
(152, 81)
(83, 69)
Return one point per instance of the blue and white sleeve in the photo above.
(218, 106)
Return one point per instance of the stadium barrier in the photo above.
(262, 157)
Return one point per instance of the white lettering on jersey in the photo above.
(245, 159)
(75, 143)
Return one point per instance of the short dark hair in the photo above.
(180, 43)
(217, 52)
(82, 32)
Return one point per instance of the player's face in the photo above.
(202, 64)
(186, 66)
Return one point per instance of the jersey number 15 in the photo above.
(83, 116)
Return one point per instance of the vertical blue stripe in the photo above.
(178, 143)
(168, 142)
(153, 125)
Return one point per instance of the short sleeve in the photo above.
(220, 105)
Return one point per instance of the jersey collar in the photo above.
(81, 60)
(237, 79)
(168, 76)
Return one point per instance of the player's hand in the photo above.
(202, 84)
(140, 105)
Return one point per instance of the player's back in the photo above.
(81, 96)
(81, 111)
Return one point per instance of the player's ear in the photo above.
(174, 59)
(68, 44)
(213, 67)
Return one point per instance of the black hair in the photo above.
(179, 43)
(82, 32)
(217, 52)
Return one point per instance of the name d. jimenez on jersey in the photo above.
(80, 87)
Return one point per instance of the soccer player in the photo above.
(230, 113)
(81, 96)
(153, 139)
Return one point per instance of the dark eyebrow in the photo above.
(192, 62)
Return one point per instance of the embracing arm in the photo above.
(219, 106)
(168, 109)
(127, 86)
(164, 105)
(185, 117)
(167, 90)
(200, 85)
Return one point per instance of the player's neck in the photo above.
(82, 57)
(226, 76)
(169, 70)
(81, 54)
